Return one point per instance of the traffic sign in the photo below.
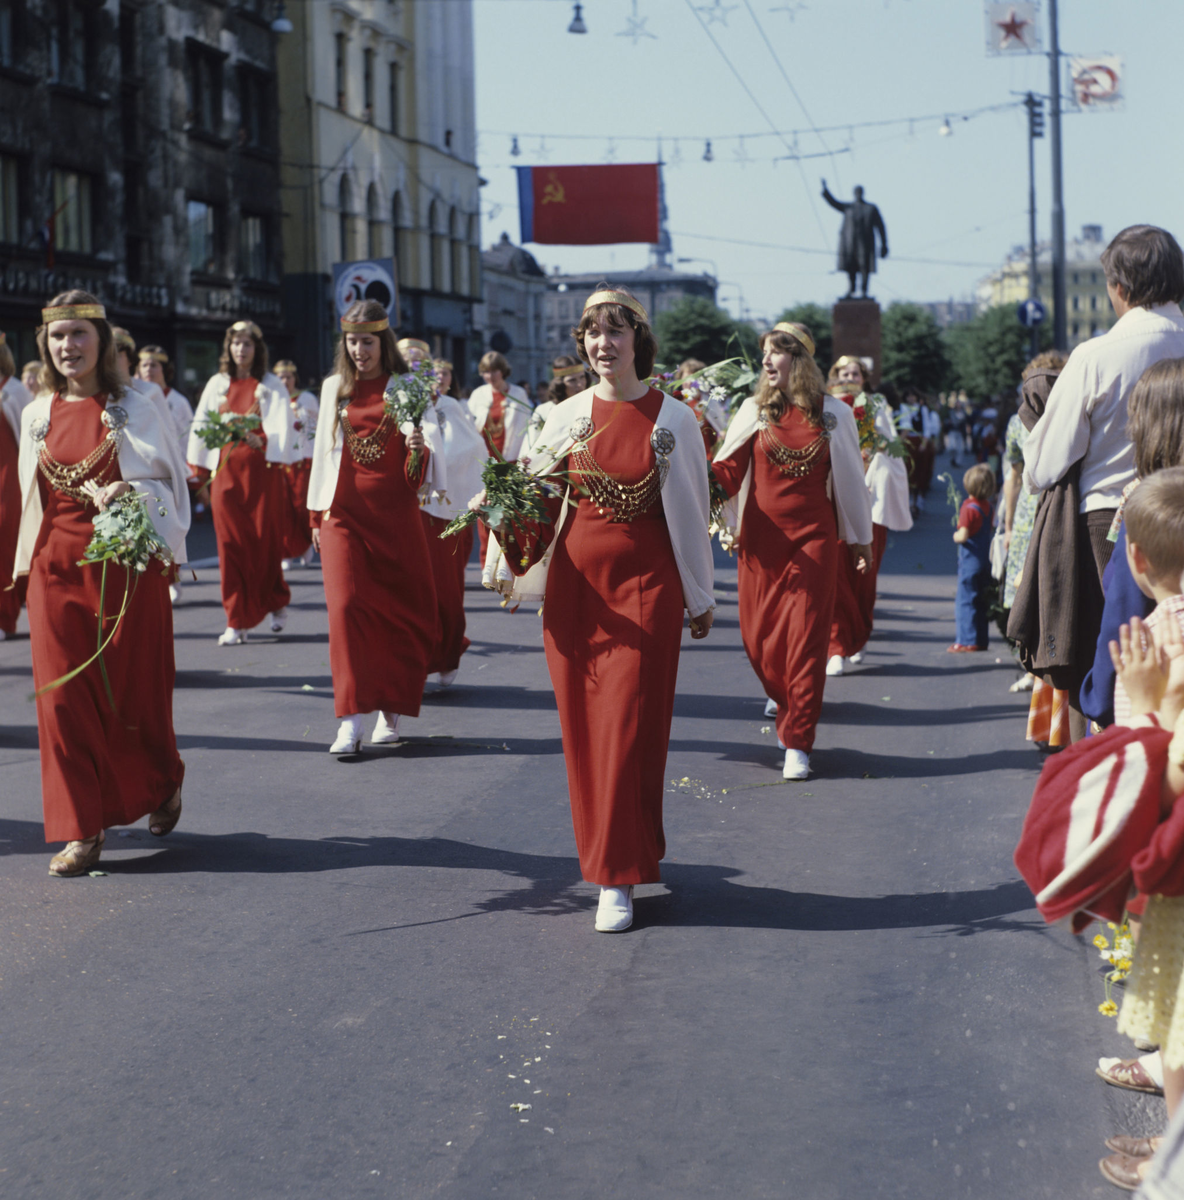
(1031, 313)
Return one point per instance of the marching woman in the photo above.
(791, 463)
(458, 465)
(569, 377)
(620, 566)
(14, 399)
(363, 495)
(888, 484)
(154, 367)
(297, 547)
(413, 350)
(247, 492)
(106, 759)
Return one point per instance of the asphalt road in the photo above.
(379, 978)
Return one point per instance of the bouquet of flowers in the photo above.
(1120, 956)
(123, 535)
(953, 496)
(872, 442)
(730, 381)
(227, 429)
(408, 397)
(513, 495)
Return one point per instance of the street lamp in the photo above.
(709, 261)
(577, 21)
(281, 24)
(740, 297)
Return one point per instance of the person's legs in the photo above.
(1093, 553)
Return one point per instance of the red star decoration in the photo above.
(1013, 27)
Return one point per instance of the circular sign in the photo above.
(1031, 313)
(365, 281)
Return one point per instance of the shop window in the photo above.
(69, 45)
(204, 237)
(73, 226)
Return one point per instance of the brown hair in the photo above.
(444, 364)
(34, 364)
(1154, 518)
(106, 369)
(832, 376)
(166, 366)
(806, 385)
(1155, 417)
(390, 360)
(1046, 360)
(7, 362)
(258, 364)
(618, 316)
(1147, 263)
(979, 482)
(557, 388)
(688, 367)
(491, 361)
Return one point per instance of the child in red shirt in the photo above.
(973, 536)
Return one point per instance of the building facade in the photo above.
(1089, 312)
(139, 160)
(511, 317)
(379, 133)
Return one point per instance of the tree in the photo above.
(989, 353)
(914, 353)
(696, 328)
(817, 320)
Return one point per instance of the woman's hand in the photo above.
(254, 440)
(316, 538)
(477, 501)
(861, 557)
(415, 440)
(1141, 666)
(105, 495)
(701, 625)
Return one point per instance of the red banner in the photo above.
(589, 206)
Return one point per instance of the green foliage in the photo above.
(817, 320)
(226, 429)
(513, 496)
(914, 353)
(696, 328)
(988, 355)
(124, 534)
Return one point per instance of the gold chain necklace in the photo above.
(67, 478)
(624, 501)
(369, 449)
(797, 464)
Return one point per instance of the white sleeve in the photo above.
(853, 505)
(1061, 436)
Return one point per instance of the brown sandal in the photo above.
(1133, 1147)
(78, 857)
(1129, 1073)
(164, 820)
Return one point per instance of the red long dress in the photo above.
(12, 597)
(494, 433)
(297, 528)
(98, 768)
(378, 574)
(787, 553)
(449, 557)
(612, 627)
(249, 499)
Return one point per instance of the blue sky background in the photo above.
(959, 202)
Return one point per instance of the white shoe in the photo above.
(279, 619)
(386, 729)
(770, 708)
(856, 658)
(797, 765)
(232, 637)
(349, 736)
(614, 914)
(447, 678)
(174, 593)
(834, 664)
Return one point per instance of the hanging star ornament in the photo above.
(635, 27)
(1012, 28)
(791, 9)
(716, 11)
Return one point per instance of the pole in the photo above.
(1033, 274)
(1060, 339)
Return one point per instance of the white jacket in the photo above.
(274, 410)
(685, 502)
(462, 456)
(888, 478)
(14, 399)
(148, 459)
(181, 416)
(327, 450)
(518, 410)
(535, 428)
(306, 408)
(845, 484)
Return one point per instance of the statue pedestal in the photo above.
(856, 331)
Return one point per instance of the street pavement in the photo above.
(379, 978)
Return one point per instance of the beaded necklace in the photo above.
(98, 465)
(624, 501)
(796, 464)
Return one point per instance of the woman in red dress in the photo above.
(14, 399)
(363, 495)
(622, 566)
(791, 462)
(887, 481)
(85, 442)
(297, 547)
(248, 491)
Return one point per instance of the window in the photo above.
(1076, 303)
(1076, 329)
(253, 259)
(7, 33)
(402, 251)
(68, 45)
(474, 256)
(345, 204)
(10, 210)
(203, 238)
(73, 229)
(128, 50)
(1093, 304)
(393, 87)
(205, 90)
(457, 255)
(254, 90)
(368, 85)
(374, 231)
(339, 70)
(439, 246)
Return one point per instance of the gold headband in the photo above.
(796, 331)
(565, 372)
(74, 312)
(247, 327)
(616, 298)
(125, 342)
(365, 326)
(285, 364)
(849, 358)
(412, 344)
(153, 356)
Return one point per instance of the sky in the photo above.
(954, 205)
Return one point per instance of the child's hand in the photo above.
(1142, 667)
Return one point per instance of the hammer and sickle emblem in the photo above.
(553, 191)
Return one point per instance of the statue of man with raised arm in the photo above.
(857, 238)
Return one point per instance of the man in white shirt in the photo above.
(1085, 419)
